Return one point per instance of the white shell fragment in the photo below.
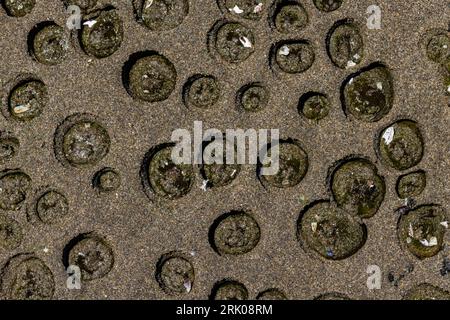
(444, 224)
(284, 50)
(245, 42)
(258, 8)
(431, 243)
(188, 286)
(236, 9)
(21, 109)
(90, 23)
(313, 226)
(379, 86)
(388, 135)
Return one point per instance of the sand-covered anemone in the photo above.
(106, 180)
(328, 5)
(345, 45)
(411, 184)
(9, 146)
(314, 105)
(368, 94)
(201, 91)
(271, 294)
(357, 187)
(229, 289)
(161, 15)
(27, 99)
(175, 273)
(292, 56)
(436, 44)
(162, 178)
(426, 291)
(27, 277)
(11, 233)
(14, 188)
(49, 43)
(293, 165)
(422, 230)
(234, 233)
(149, 76)
(400, 145)
(252, 97)
(232, 41)
(102, 33)
(91, 253)
(330, 231)
(19, 8)
(81, 140)
(288, 17)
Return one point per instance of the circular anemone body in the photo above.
(314, 106)
(175, 273)
(345, 45)
(107, 180)
(26, 277)
(11, 234)
(49, 43)
(19, 8)
(289, 17)
(52, 206)
(331, 232)
(161, 15)
(27, 100)
(232, 41)
(167, 179)
(292, 57)
(271, 294)
(102, 33)
(201, 91)
(235, 233)
(151, 78)
(421, 230)
(252, 97)
(358, 188)
(92, 254)
(229, 290)
(411, 184)
(14, 187)
(81, 141)
(292, 165)
(400, 145)
(368, 94)
(426, 291)
(328, 5)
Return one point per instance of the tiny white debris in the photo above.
(236, 9)
(284, 50)
(258, 8)
(45, 250)
(448, 89)
(433, 242)
(148, 4)
(193, 253)
(379, 86)
(410, 231)
(350, 81)
(408, 240)
(188, 286)
(445, 46)
(204, 185)
(314, 226)
(146, 91)
(350, 64)
(233, 173)
(388, 135)
(90, 23)
(21, 108)
(356, 57)
(87, 125)
(89, 60)
(444, 224)
(245, 42)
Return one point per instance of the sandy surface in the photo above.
(140, 232)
